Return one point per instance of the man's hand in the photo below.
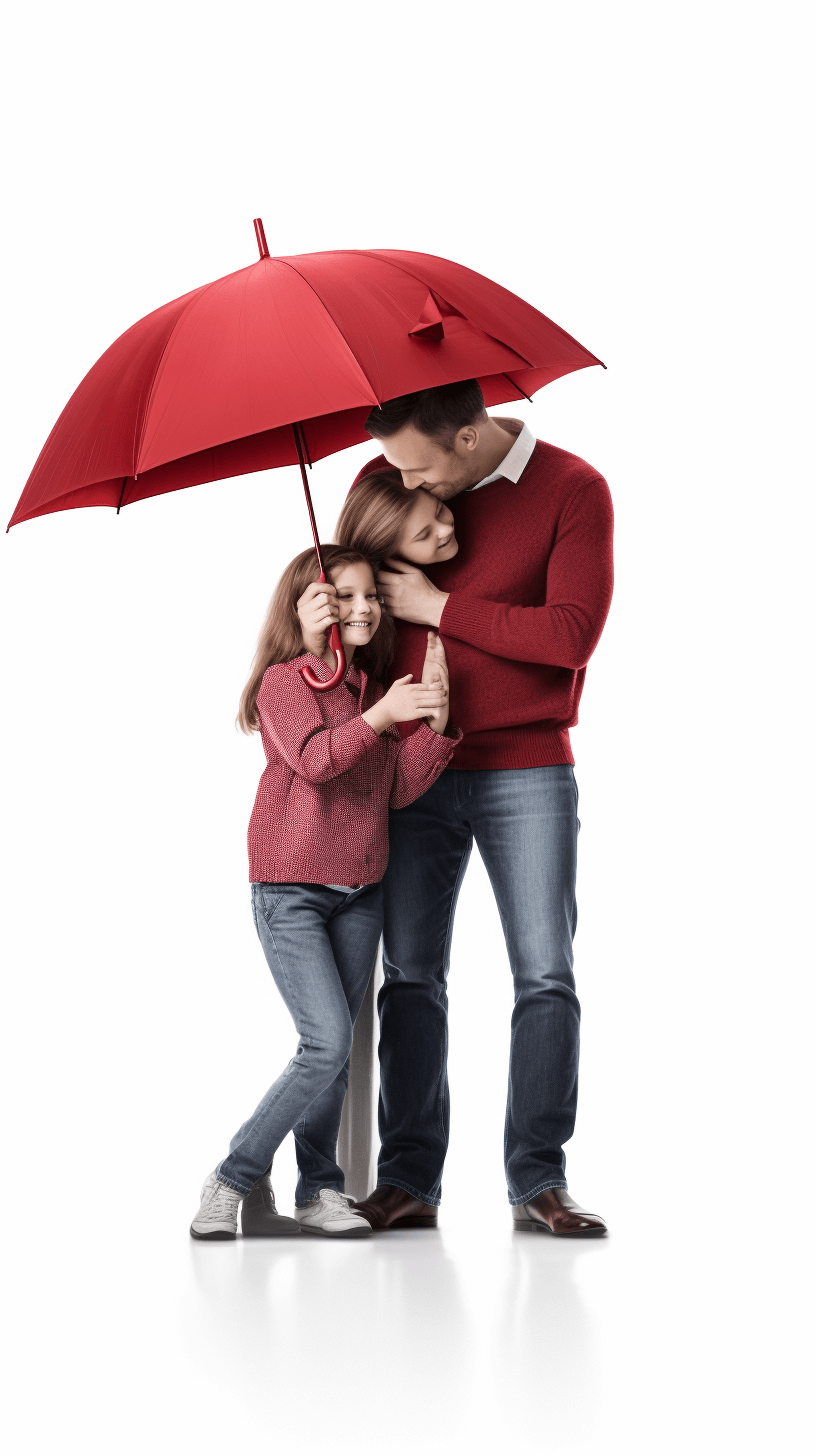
(317, 609)
(409, 595)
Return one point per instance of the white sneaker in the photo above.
(217, 1217)
(331, 1214)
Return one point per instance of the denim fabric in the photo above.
(525, 824)
(320, 945)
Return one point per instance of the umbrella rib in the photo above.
(516, 386)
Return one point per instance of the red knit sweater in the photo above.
(530, 590)
(321, 811)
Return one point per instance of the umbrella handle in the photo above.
(340, 670)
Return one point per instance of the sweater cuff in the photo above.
(438, 744)
(469, 619)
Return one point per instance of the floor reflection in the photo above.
(472, 1332)
(543, 1333)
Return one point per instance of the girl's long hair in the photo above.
(281, 637)
(374, 515)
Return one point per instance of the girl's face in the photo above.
(359, 604)
(427, 535)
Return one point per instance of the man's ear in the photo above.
(468, 437)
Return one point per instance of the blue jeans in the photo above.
(525, 824)
(320, 945)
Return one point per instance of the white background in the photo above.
(637, 172)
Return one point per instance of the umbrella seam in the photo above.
(199, 293)
(363, 252)
(330, 315)
(356, 252)
(352, 356)
(381, 253)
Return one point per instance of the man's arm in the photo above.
(564, 632)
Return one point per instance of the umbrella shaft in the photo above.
(335, 640)
(296, 432)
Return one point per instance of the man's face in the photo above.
(423, 461)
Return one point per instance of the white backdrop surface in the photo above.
(635, 171)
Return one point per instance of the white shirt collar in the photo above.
(515, 461)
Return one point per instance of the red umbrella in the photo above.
(280, 363)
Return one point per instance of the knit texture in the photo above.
(321, 811)
(530, 591)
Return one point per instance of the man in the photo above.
(520, 609)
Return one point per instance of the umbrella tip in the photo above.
(261, 236)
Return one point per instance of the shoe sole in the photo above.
(414, 1220)
(287, 1232)
(529, 1226)
(217, 1234)
(339, 1234)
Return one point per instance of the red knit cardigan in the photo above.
(321, 811)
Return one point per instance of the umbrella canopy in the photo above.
(211, 384)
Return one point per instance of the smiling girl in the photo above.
(318, 848)
(384, 520)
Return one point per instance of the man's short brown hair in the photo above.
(439, 412)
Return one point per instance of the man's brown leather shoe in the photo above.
(554, 1212)
(392, 1208)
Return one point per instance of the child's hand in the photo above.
(406, 701)
(316, 610)
(435, 673)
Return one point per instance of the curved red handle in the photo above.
(339, 671)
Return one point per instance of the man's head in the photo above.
(435, 437)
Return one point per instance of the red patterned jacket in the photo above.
(321, 811)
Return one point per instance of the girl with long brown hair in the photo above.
(383, 518)
(318, 848)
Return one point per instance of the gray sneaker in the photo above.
(330, 1214)
(217, 1217)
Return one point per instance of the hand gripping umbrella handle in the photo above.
(340, 670)
(336, 645)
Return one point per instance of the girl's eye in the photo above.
(371, 596)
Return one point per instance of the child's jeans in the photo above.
(321, 946)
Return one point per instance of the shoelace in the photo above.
(342, 1201)
(222, 1201)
